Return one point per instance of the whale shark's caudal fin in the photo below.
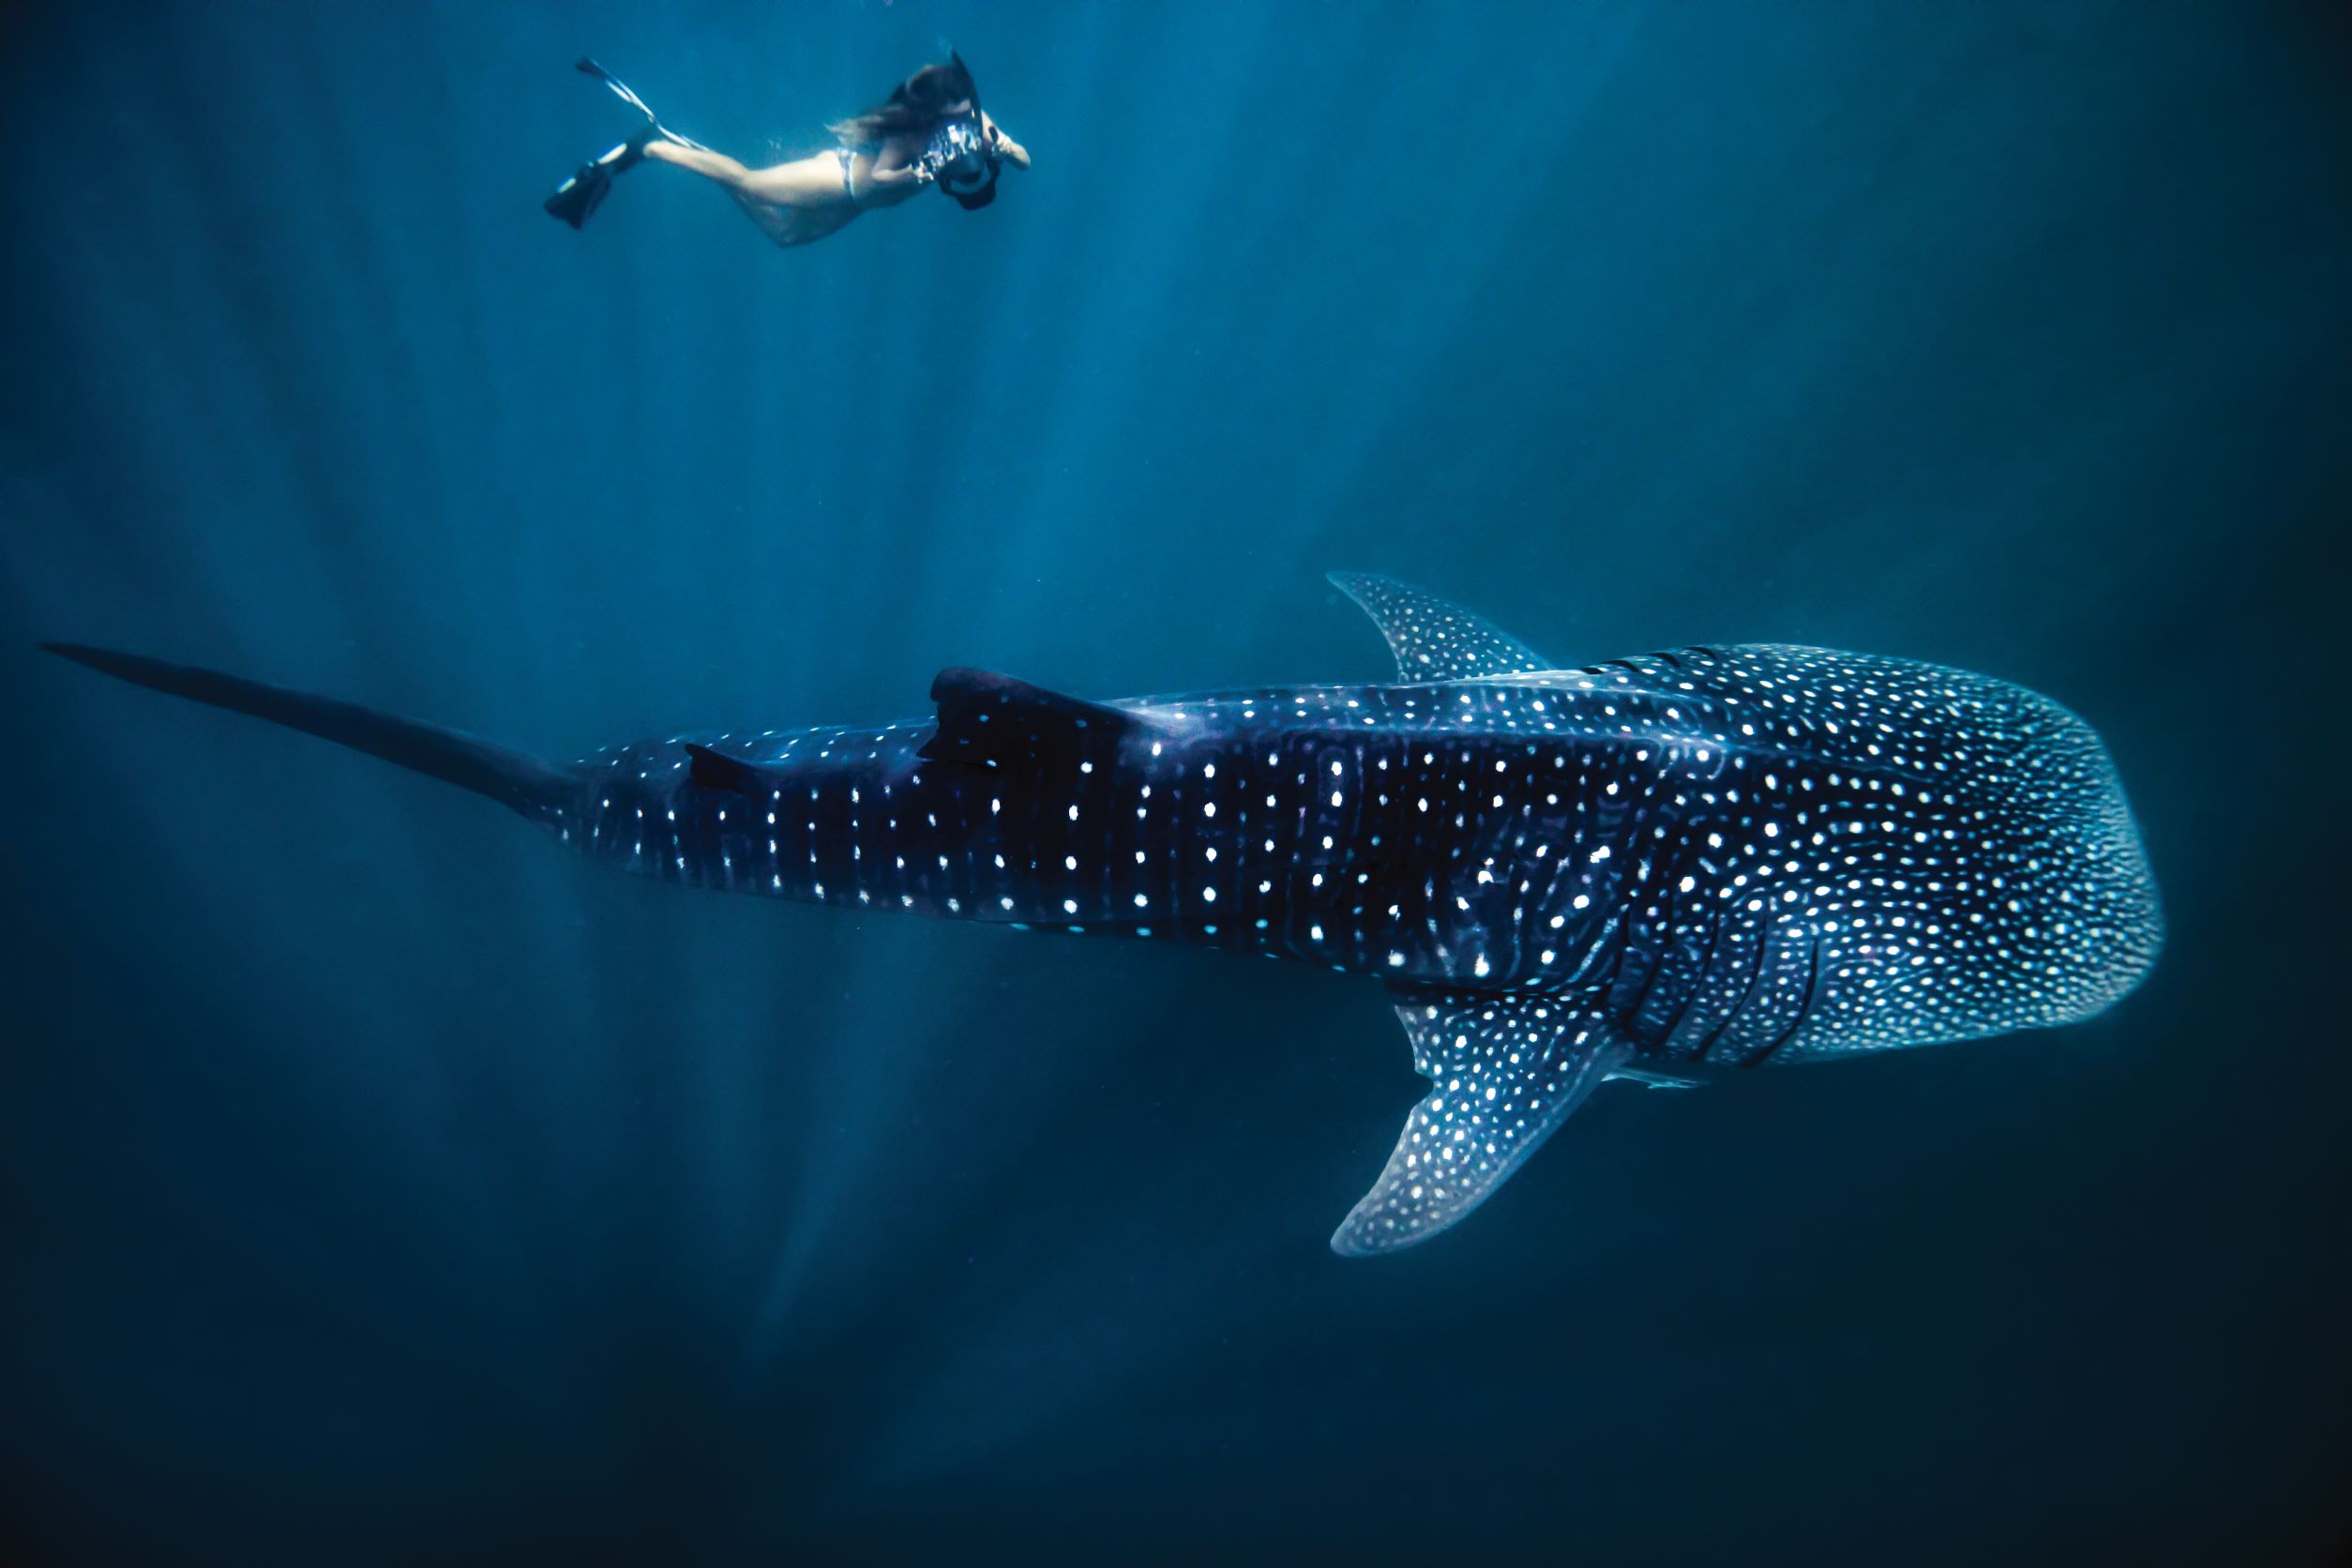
(522, 782)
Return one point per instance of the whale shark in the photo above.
(1644, 869)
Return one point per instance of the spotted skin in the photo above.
(1705, 858)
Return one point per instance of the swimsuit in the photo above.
(848, 159)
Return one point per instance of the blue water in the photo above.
(379, 1183)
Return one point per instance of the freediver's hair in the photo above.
(916, 107)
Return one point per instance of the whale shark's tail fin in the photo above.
(525, 783)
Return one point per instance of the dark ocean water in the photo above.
(380, 1184)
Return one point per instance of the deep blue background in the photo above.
(378, 1182)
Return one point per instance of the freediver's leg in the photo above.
(805, 184)
(700, 160)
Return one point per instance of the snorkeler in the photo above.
(931, 130)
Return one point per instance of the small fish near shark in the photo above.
(1708, 857)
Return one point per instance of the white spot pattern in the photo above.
(1719, 855)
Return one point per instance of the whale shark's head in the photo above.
(2083, 915)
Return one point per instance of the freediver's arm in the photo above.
(1007, 148)
(898, 165)
(899, 178)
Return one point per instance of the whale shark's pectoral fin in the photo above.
(1505, 1072)
(996, 721)
(1434, 639)
(1654, 1080)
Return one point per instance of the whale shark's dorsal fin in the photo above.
(996, 721)
(1504, 1071)
(1434, 639)
(715, 770)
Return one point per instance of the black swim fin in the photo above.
(580, 195)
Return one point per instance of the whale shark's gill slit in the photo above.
(1630, 1013)
(1626, 917)
(1698, 983)
(1669, 922)
(1805, 1010)
(1731, 1014)
(1607, 992)
(1592, 954)
(1669, 657)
